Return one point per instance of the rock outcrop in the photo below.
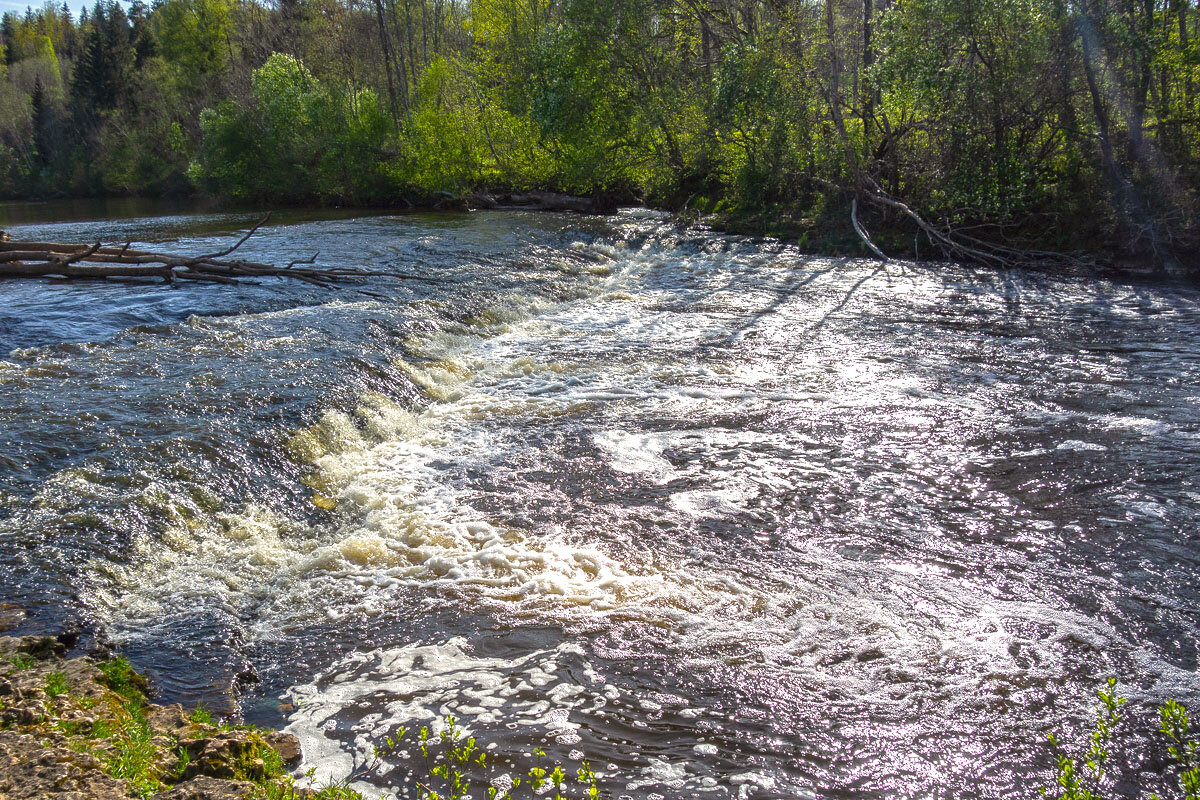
(83, 729)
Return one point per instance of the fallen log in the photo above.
(68, 261)
(958, 246)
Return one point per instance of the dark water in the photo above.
(730, 520)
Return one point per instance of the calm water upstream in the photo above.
(731, 520)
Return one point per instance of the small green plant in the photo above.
(284, 788)
(1087, 777)
(1175, 726)
(185, 759)
(72, 728)
(120, 677)
(22, 661)
(56, 684)
(273, 765)
(131, 756)
(202, 716)
(455, 766)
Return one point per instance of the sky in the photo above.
(20, 5)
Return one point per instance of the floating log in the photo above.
(69, 261)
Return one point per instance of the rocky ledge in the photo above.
(83, 729)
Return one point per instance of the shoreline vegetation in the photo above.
(1063, 133)
(84, 727)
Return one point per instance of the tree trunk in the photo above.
(868, 90)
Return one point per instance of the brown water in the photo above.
(731, 520)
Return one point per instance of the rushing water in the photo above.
(731, 520)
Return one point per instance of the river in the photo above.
(729, 519)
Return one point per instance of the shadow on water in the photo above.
(45, 212)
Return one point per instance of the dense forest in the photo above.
(1065, 123)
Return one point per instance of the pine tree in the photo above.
(8, 37)
(43, 145)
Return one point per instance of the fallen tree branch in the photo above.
(97, 262)
(952, 243)
(862, 234)
(240, 242)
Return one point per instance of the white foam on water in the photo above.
(344, 713)
(1080, 446)
(636, 453)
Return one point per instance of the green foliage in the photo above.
(991, 113)
(201, 715)
(454, 766)
(1088, 775)
(120, 677)
(56, 684)
(1175, 726)
(22, 661)
(130, 755)
(192, 37)
(298, 139)
(443, 139)
(285, 788)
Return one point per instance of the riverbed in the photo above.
(728, 519)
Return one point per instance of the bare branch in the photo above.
(240, 242)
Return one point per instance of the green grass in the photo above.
(121, 678)
(132, 757)
(285, 789)
(202, 716)
(56, 684)
(22, 661)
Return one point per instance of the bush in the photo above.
(297, 139)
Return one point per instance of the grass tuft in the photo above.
(56, 684)
(202, 716)
(121, 678)
(22, 661)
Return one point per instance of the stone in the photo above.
(40, 647)
(287, 745)
(227, 754)
(205, 787)
(30, 713)
(41, 735)
(11, 616)
(84, 677)
(31, 769)
(167, 720)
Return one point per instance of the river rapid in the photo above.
(731, 520)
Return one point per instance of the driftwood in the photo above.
(953, 244)
(98, 262)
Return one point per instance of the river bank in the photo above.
(826, 230)
(76, 727)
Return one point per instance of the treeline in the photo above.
(1062, 122)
